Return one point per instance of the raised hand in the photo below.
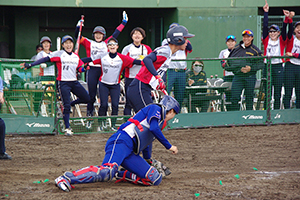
(286, 13)
(292, 14)
(79, 22)
(125, 17)
(266, 6)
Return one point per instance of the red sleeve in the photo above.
(127, 61)
(97, 61)
(296, 55)
(87, 45)
(55, 59)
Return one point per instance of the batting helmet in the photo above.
(173, 25)
(170, 103)
(45, 38)
(100, 29)
(177, 34)
(65, 38)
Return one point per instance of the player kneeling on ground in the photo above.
(123, 149)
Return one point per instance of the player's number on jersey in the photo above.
(66, 67)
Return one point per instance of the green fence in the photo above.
(32, 104)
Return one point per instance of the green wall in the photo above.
(211, 27)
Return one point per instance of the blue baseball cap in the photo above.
(230, 37)
(247, 32)
(275, 27)
(297, 23)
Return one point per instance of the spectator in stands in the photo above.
(244, 70)
(38, 49)
(197, 77)
(230, 42)
(3, 154)
(228, 76)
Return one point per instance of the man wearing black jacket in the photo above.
(244, 70)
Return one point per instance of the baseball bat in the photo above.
(10, 107)
(79, 34)
(58, 40)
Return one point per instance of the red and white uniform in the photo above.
(163, 55)
(293, 46)
(67, 65)
(113, 67)
(48, 71)
(95, 49)
(274, 48)
(180, 54)
(135, 52)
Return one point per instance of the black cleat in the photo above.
(5, 156)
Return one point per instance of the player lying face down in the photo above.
(123, 149)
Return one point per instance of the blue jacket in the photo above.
(241, 51)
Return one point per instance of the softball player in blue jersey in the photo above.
(67, 63)
(123, 148)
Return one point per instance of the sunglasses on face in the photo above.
(112, 43)
(272, 31)
(197, 65)
(247, 32)
(230, 37)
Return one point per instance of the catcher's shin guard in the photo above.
(91, 174)
(153, 177)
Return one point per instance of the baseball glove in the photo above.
(161, 168)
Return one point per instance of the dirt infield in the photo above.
(216, 163)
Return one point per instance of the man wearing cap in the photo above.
(244, 70)
(274, 45)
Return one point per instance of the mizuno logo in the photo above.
(277, 116)
(37, 125)
(175, 121)
(252, 117)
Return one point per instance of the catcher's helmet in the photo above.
(177, 34)
(45, 38)
(100, 29)
(170, 103)
(65, 38)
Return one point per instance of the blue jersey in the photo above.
(146, 126)
(1, 85)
